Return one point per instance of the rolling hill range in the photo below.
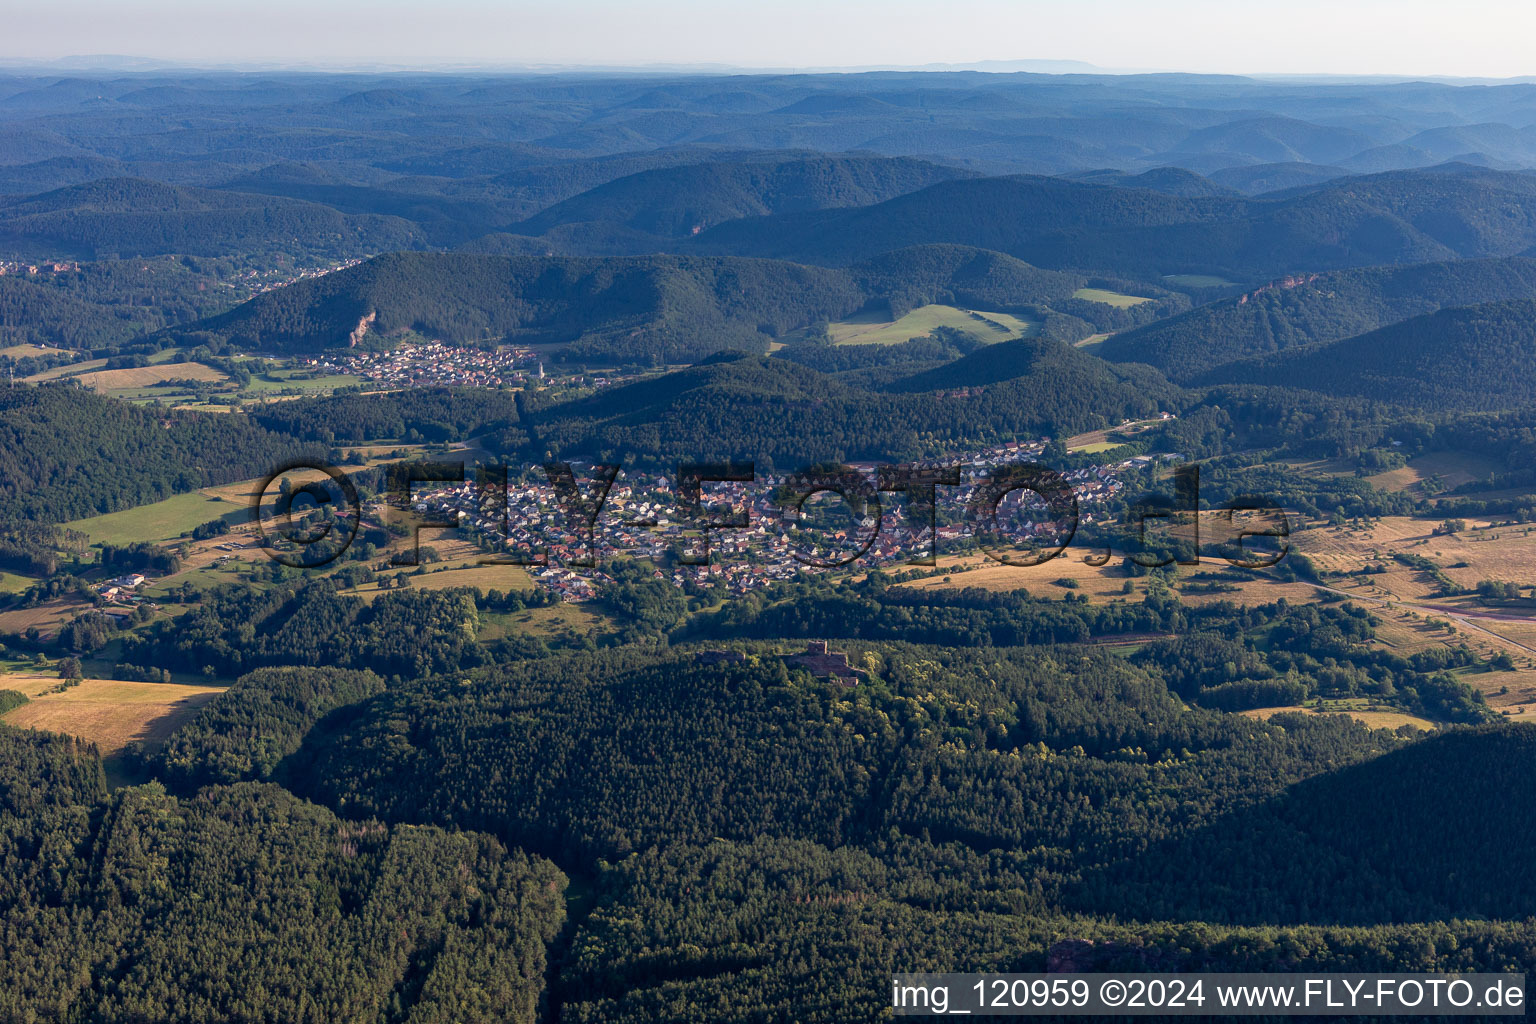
(1474, 358)
(676, 202)
(1173, 181)
(441, 219)
(1395, 218)
(669, 308)
(1313, 309)
(132, 217)
(213, 126)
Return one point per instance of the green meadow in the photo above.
(162, 520)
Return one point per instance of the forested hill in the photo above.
(1315, 308)
(33, 314)
(1456, 360)
(676, 202)
(137, 905)
(1010, 360)
(1338, 837)
(133, 217)
(663, 308)
(1016, 215)
(1173, 181)
(736, 406)
(66, 453)
(1401, 217)
(961, 275)
(633, 309)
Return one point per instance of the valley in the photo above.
(645, 612)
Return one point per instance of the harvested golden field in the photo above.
(1102, 584)
(1099, 440)
(107, 712)
(1510, 690)
(1373, 719)
(66, 370)
(239, 493)
(1481, 552)
(1257, 591)
(1451, 469)
(1407, 633)
(1349, 548)
(144, 376)
(27, 351)
(1523, 633)
(486, 577)
(47, 616)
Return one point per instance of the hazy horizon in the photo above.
(1310, 38)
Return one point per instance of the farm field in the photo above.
(144, 376)
(872, 329)
(1117, 299)
(1373, 719)
(161, 520)
(1410, 621)
(1452, 469)
(1414, 616)
(1100, 584)
(66, 370)
(486, 577)
(46, 617)
(27, 351)
(107, 712)
(1481, 552)
(260, 387)
(10, 583)
(1103, 440)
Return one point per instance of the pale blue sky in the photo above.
(1480, 38)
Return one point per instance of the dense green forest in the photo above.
(422, 414)
(1315, 309)
(1397, 217)
(1468, 359)
(680, 201)
(134, 217)
(406, 633)
(69, 454)
(786, 415)
(136, 904)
